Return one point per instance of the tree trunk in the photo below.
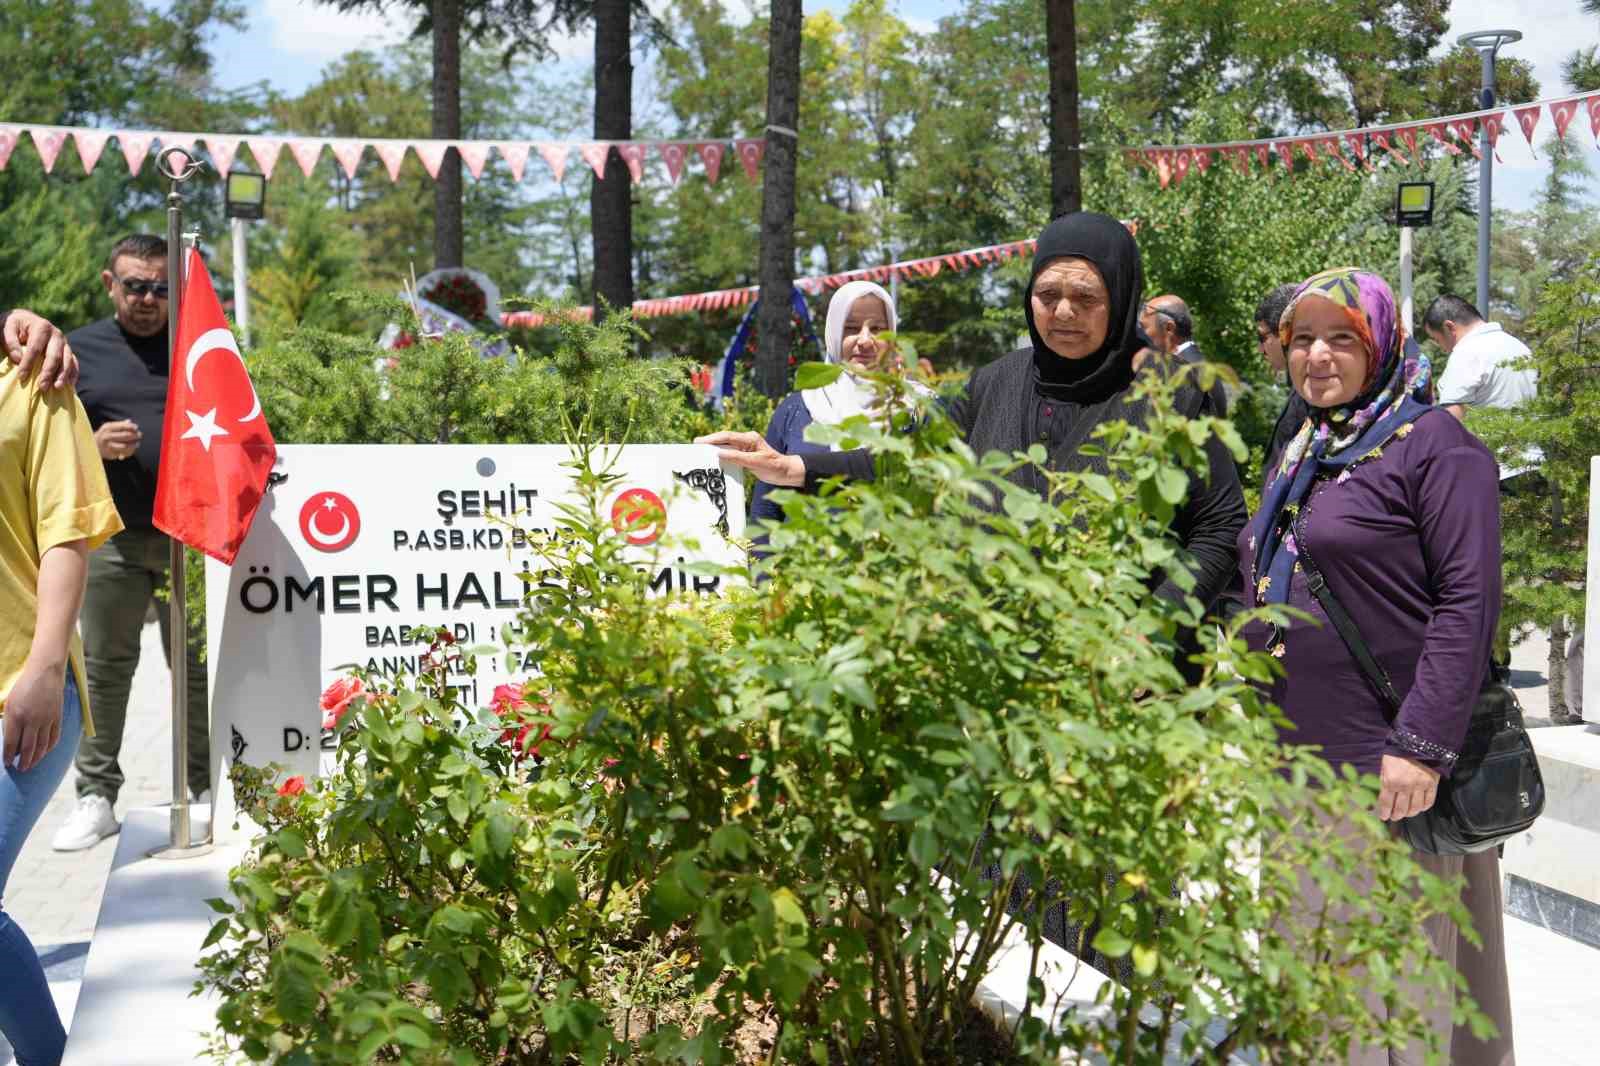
(1557, 673)
(774, 324)
(1061, 32)
(447, 242)
(611, 200)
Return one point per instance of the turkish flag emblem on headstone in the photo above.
(216, 449)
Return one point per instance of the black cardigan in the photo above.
(1000, 411)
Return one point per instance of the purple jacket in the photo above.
(1410, 544)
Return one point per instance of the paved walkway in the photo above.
(56, 897)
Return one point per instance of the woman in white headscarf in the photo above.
(858, 315)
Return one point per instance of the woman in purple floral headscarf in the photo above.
(1398, 504)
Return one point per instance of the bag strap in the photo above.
(1344, 624)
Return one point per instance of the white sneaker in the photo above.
(86, 826)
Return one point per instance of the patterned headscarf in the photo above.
(1398, 387)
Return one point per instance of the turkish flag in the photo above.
(216, 449)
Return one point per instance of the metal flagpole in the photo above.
(179, 845)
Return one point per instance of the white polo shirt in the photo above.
(1480, 373)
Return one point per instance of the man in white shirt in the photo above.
(1483, 370)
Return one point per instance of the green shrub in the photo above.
(792, 797)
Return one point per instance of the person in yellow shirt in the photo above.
(55, 507)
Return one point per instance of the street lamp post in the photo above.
(246, 200)
(1488, 43)
(1413, 206)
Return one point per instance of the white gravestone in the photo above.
(356, 546)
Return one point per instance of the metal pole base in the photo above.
(181, 829)
(193, 851)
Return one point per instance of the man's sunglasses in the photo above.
(140, 288)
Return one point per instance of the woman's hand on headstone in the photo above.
(752, 452)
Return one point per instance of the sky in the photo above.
(288, 42)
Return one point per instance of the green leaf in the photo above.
(817, 375)
(218, 931)
(1145, 958)
(1111, 944)
(412, 1036)
(924, 846)
(786, 907)
(1172, 484)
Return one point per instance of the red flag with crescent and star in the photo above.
(216, 449)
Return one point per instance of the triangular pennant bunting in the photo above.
(1264, 155)
(1466, 131)
(1492, 125)
(1164, 167)
(1594, 116)
(1381, 138)
(348, 153)
(595, 155)
(474, 154)
(135, 147)
(1561, 113)
(1180, 168)
(222, 150)
(750, 153)
(1408, 137)
(49, 143)
(632, 154)
(673, 156)
(306, 152)
(1358, 148)
(90, 144)
(1528, 119)
(266, 151)
(8, 144)
(515, 153)
(1330, 148)
(711, 153)
(432, 155)
(1442, 135)
(555, 157)
(1202, 159)
(392, 153)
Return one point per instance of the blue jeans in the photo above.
(28, 1015)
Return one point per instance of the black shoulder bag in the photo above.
(1495, 790)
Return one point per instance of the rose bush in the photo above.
(797, 824)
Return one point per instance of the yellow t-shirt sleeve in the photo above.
(67, 481)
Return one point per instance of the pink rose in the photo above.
(292, 786)
(336, 700)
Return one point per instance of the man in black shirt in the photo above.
(123, 386)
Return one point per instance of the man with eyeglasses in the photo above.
(1166, 321)
(123, 386)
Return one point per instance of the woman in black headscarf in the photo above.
(1082, 305)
